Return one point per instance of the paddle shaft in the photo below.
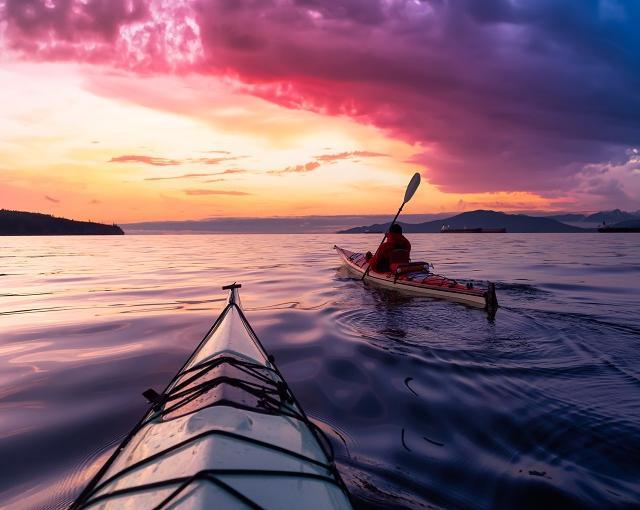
(411, 189)
(383, 238)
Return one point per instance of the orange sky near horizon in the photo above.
(87, 142)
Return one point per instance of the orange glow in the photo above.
(109, 147)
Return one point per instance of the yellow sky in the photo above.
(62, 125)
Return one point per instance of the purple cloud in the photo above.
(495, 94)
(500, 96)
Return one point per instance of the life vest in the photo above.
(395, 250)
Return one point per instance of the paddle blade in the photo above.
(412, 187)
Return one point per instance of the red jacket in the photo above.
(381, 261)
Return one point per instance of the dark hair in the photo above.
(395, 228)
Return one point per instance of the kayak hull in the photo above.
(421, 283)
(226, 433)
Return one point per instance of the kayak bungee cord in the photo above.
(226, 380)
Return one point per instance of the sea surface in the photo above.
(428, 404)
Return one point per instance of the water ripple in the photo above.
(428, 404)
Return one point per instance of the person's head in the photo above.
(395, 228)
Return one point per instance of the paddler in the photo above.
(395, 249)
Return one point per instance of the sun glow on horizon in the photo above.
(91, 144)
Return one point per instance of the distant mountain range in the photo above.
(20, 223)
(27, 223)
(608, 217)
(517, 223)
(273, 225)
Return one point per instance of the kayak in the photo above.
(423, 282)
(226, 433)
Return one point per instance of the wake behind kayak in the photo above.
(226, 433)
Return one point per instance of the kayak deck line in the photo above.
(423, 282)
(258, 420)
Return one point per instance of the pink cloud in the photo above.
(475, 84)
(496, 95)
(232, 171)
(159, 161)
(183, 176)
(349, 155)
(212, 161)
(297, 169)
(145, 35)
(147, 160)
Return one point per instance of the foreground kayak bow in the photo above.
(226, 433)
(421, 281)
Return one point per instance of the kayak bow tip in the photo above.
(234, 297)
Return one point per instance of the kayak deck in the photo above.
(422, 282)
(226, 433)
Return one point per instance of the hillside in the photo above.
(516, 223)
(20, 223)
(614, 216)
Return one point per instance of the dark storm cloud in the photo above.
(496, 94)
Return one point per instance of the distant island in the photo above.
(20, 223)
(480, 219)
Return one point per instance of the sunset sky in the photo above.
(137, 110)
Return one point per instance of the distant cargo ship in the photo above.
(446, 229)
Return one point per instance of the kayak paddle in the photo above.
(411, 190)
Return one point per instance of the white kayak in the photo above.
(227, 433)
(422, 282)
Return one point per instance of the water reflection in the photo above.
(427, 403)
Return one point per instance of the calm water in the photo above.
(428, 403)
